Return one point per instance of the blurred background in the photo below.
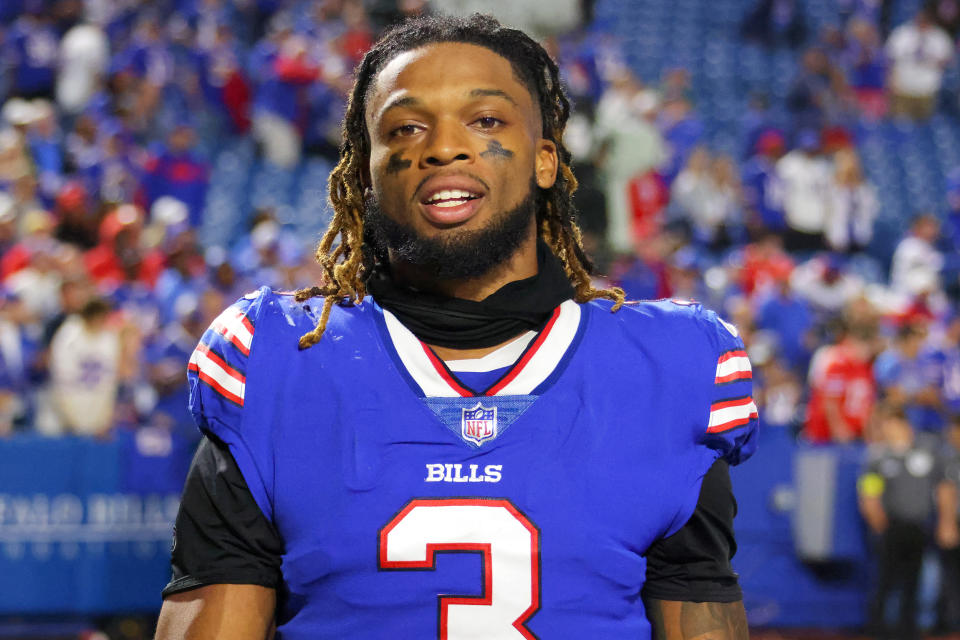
(793, 164)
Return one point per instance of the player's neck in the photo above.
(521, 265)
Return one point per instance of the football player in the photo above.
(487, 447)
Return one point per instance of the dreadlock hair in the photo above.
(347, 266)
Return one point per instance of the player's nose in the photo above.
(447, 142)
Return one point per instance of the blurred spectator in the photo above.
(17, 352)
(142, 70)
(853, 205)
(946, 13)
(791, 320)
(38, 282)
(826, 284)
(804, 175)
(755, 122)
(686, 278)
(578, 55)
(630, 145)
(919, 51)
(25, 198)
(900, 496)
(270, 253)
(77, 222)
(706, 196)
(683, 131)
(643, 275)
(949, 356)
(780, 394)
(46, 149)
(866, 67)
(842, 388)
(119, 256)
(817, 94)
(224, 81)
(180, 284)
(8, 230)
(648, 196)
(763, 264)
(83, 145)
(916, 263)
(774, 23)
(117, 172)
(279, 109)
(223, 276)
(73, 294)
(84, 370)
(909, 375)
(166, 357)
(30, 48)
(762, 191)
(177, 170)
(84, 60)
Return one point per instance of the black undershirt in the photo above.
(222, 537)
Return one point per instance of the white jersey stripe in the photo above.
(729, 368)
(732, 415)
(548, 356)
(415, 360)
(234, 326)
(502, 357)
(222, 377)
(534, 372)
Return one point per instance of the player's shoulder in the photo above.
(260, 331)
(268, 316)
(672, 320)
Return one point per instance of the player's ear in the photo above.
(546, 163)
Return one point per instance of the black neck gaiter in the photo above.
(455, 323)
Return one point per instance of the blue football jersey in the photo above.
(413, 506)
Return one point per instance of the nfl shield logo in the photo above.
(479, 424)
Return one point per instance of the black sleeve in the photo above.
(693, 565)
(221, 536)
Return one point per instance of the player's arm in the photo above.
(226, 556)
(692, 590)
(674, 620)
(228, 611)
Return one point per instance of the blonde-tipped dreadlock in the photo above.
(347, 267)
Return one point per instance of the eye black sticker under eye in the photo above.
(495, 149)
(397, 164)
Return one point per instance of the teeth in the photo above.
(452, 194)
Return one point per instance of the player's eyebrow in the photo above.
(481, 93)
(405, 101)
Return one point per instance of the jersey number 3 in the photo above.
(509, 543)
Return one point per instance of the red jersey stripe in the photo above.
(492, 391)
(443, 373)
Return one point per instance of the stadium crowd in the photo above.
(113, 112)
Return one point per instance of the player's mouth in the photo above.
(450, 204)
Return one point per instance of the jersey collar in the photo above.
(542, 357)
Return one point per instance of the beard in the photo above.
(454, 254)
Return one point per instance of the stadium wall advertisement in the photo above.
(91, 533)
